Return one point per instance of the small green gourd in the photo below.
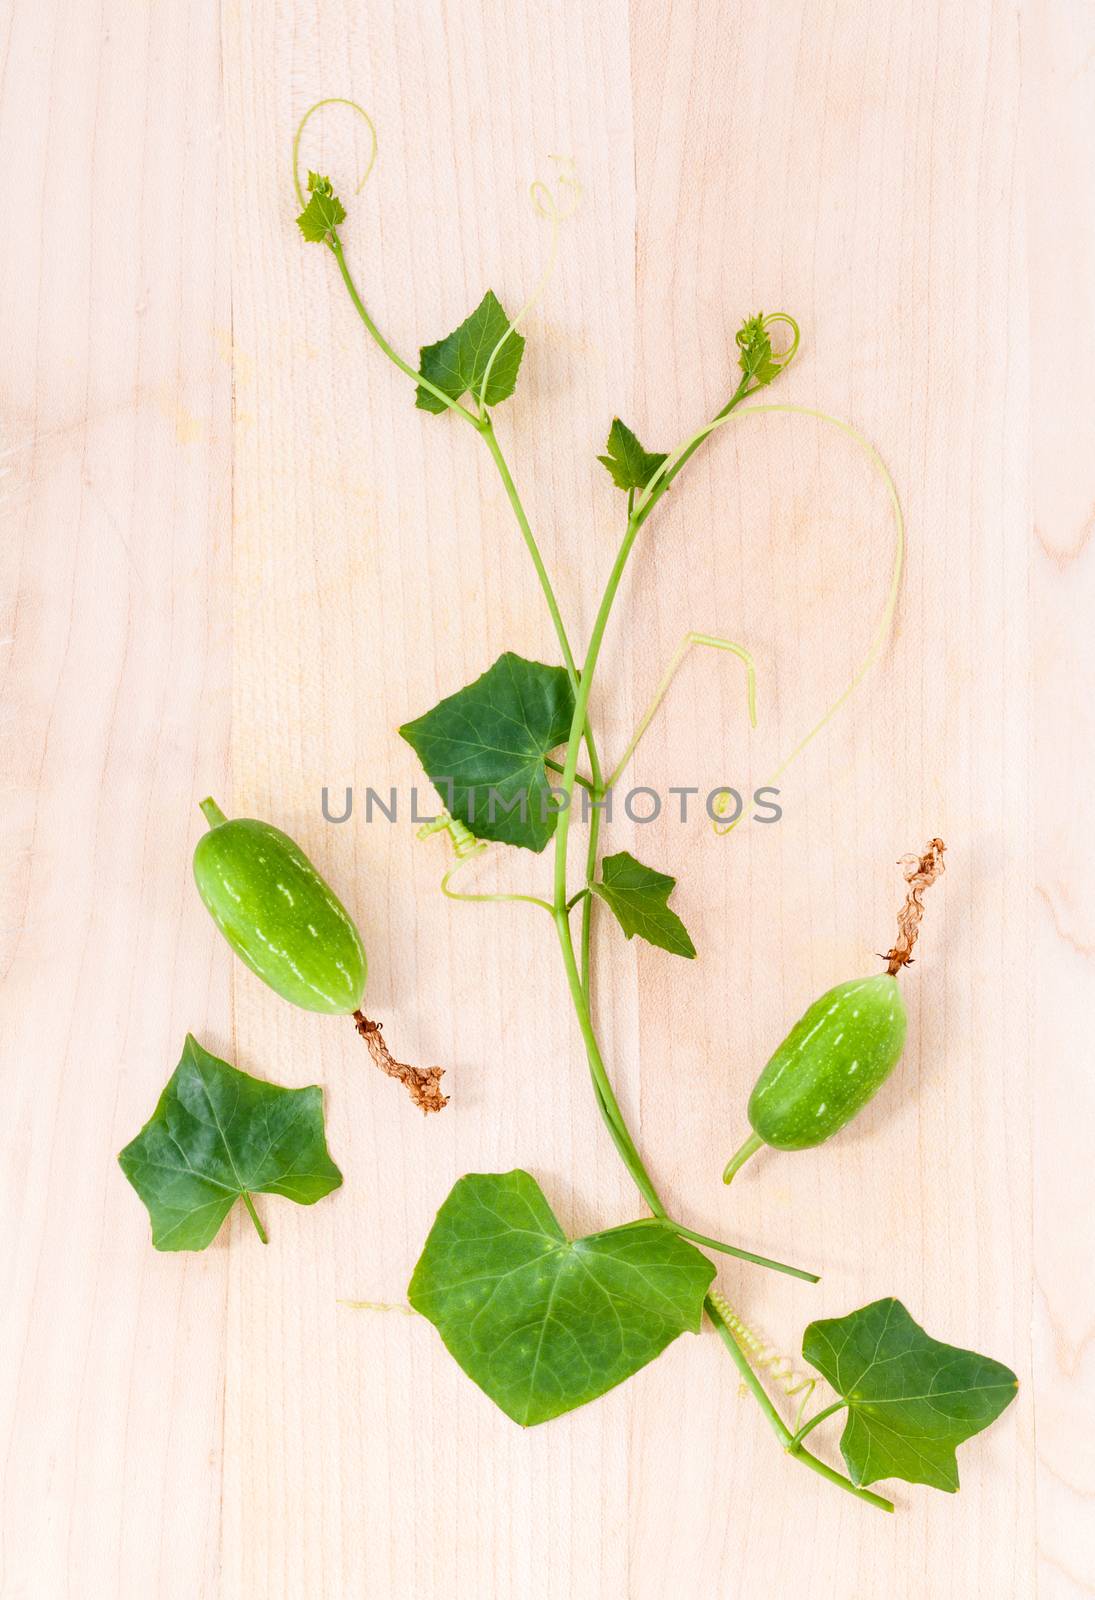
(278, 914)
(286, 923)
(841, 1051)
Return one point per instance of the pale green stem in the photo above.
(742, 1255)
(335, 245)
(741, 1156)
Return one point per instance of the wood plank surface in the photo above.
(235, 558)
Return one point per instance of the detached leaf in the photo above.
(483, 748)
(911, 1400)
(458, 363)
(631, 466)
(323, 212)
(638, 897)
(540, 1322)
(218, 1135)
(756, 351)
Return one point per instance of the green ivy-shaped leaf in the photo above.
(218, 1136)
(631, 466)
(638, 897)
(483, 748)
(323, 212)
(458, 363)
(540, 1322)
(911, 1400)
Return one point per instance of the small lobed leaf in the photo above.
(540, 1322)
(218, 1134)
(631, 466)
(323, 212)
(483, 749)
(637, 897)
(911, 1400)
(755, 347)
(458, 363)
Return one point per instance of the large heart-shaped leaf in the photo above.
(484, 748)
(218, 1136)
(540, 1322)
(639, 899)
(911, 1400)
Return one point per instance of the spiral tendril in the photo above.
(763, 1357)
(784, 357)
(463, 841)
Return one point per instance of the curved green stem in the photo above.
(585, 942)
(486, 428)
(581, 703)
(606, 1099)
(741, 1156)
(334, 244)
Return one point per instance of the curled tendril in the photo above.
(764, 1357)
(546, 204)
(784, 357)
(467, 848)
(333, 100)
(463, 841)
(544, 201)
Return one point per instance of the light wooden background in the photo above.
(235, 557)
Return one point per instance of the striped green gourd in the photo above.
(842, 1050)
(830, 1064)
(278, 914)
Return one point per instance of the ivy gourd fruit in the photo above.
(278, 914)
(841, 1051)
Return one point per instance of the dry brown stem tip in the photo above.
(423, 1083)
(920, 873)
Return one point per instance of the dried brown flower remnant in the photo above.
(423, 1083)
(920, 873)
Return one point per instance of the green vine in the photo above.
(479, 361)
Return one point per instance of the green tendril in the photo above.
(670, 673)
(885, 624)
(545, 205)
(333, 100)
